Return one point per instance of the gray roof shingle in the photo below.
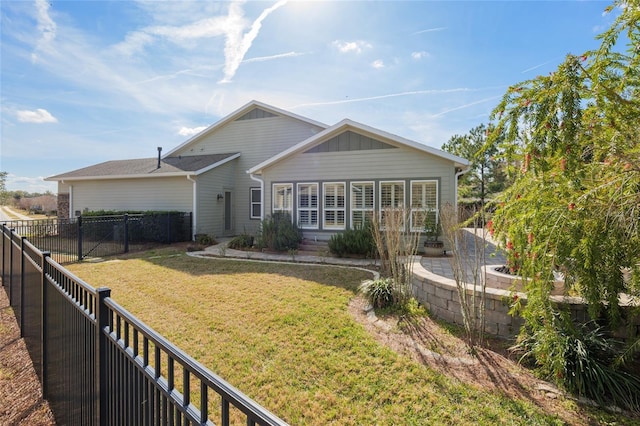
(145, 166)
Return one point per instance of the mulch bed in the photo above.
(21, 400)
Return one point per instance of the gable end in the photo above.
(349, 141)
(256, 113)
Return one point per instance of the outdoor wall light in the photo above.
(220, 197)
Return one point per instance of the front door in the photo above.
(228, 222)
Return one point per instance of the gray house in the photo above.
(259, 160)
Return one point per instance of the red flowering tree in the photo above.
(572, 139)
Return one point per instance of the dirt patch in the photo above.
(21, 400)
(492, 370)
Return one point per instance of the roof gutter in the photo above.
(113, 177)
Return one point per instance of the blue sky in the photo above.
(84, 82)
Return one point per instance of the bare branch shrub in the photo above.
(396, 249)
(468, 258)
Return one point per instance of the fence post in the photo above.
(4, 237)
(11, 269)
(102, 321)
(126, 233)
(192, 233)
(22, 282)
(43, 312)
(79, 238)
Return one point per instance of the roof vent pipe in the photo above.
(159, 153)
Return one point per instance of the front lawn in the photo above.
(283, 335)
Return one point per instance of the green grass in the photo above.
(282, 334)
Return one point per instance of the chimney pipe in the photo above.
(159, 153)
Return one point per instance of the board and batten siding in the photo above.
(371, 165)
(257, 140)
(210, 210)
(165, 194)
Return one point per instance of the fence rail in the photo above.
(71, 240)
(99, 364)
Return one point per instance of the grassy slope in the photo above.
(282, 334)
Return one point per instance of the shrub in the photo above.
(279, 233)
(205, 240)
(241, 242)
(583, 362)
(380, 293)
(353, 242)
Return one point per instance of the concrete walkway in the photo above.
(8, 214)
(441, 266)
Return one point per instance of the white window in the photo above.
(308, 205)
(256, 203)
(391, 198)
(334, 205)
(424, 200)
(282, 198)
(362, 203)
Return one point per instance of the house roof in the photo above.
(239, 113)
(346, 125)
(147, 167)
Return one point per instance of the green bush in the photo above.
(353, 242)
(380, 293)
(583, 360)
(279, 233)
(241, 242)
(205, 240)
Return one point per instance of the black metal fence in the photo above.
(70, 240)
(100, 365)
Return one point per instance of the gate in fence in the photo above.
(100, 365)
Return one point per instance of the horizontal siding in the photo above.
(257, 140)
(365, 165)
(372, 165)
(210, 210)
(133, 194)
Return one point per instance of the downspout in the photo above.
(70, 201)
(194, 208)
(257, 179)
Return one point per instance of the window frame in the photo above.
(284, 209)
(253, 203)
(365, 210)
(310, 208)
(335, 209)
(401, 204)
(423, 207)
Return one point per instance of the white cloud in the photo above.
(420, 55)
(236, 44)
(430, 30)
(46, 26)
(378, 64)
(38, 116)
(467, 105)
(231, 26)
(272, 57)
(29, 184)
(133, 43)
(351, 46)
(190, 131)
